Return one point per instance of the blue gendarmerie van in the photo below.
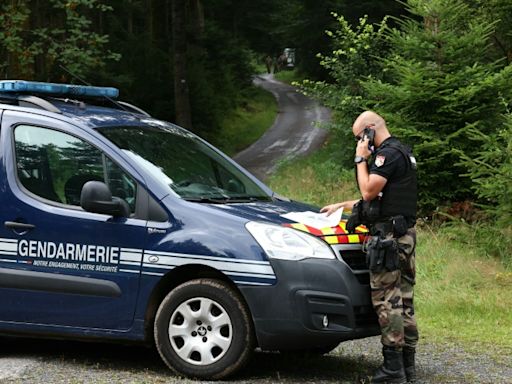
(119, 226)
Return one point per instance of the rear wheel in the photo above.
(203, 329)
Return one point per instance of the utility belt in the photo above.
(382, 249)
(397, 225)
(368, 214)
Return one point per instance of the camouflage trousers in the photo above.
(393, 296)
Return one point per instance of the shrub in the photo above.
(433, 82)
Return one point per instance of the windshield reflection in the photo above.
(185, 164)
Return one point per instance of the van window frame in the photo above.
(136, 214)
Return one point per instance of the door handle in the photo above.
(16, 225)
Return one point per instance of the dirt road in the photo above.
(44, 361)
(293, 133)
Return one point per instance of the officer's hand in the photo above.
(362, 148)
(330, 209)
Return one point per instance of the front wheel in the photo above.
(203, 330)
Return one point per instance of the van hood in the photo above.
(272, 211)
(265, 211)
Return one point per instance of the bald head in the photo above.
(368, 118)
(374, 121)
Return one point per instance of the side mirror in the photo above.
(97, 198)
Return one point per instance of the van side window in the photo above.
(55, 166)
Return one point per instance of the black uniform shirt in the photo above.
(388, 162)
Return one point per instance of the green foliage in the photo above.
(353, 59)
(491, 172)
(244, 125)
(434, 83)
(35, 40)
(317, 179)
(220, 70)
(499, 13)
(293, 77)
(438, 84)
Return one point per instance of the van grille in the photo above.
(356, 260)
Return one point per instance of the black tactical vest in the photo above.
(400, 194)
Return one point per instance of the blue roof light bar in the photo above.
(53, 89)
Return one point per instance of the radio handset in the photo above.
(370, 134)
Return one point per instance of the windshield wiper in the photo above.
(204, 199)
(226, 199)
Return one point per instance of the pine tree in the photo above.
(438, 84)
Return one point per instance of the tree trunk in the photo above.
(149, 20)
(181, 92)
(197, 13)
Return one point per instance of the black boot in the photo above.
(392, 370)
(410, 369)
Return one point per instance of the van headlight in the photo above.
(287, 243)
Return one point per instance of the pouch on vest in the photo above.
(355, 218)
(400, 226)
(372, 209)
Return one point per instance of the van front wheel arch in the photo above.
(203, 329)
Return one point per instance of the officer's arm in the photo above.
(369, 185)
(331, 208)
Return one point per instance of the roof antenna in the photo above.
(118, 104)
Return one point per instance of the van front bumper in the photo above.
(315, 303)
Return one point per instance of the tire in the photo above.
(203, 330)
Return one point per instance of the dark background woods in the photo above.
(187, 61)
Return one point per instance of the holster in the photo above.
(382, 254)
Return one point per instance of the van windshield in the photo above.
(189, 167)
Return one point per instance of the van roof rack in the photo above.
(29, 101)
(133, 108)
(32, 93)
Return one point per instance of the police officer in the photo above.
(387, 182)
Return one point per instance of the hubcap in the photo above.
(200, 331)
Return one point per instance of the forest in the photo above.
(439, 71)
(186, 61)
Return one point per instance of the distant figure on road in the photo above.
(281, 61)
(276, 64)
(268, 63)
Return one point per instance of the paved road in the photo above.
(293, 132)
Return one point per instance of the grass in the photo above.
(316, 179)
(462, 295)
(247, 123)
(289, 76)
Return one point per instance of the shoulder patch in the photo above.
(379, 160)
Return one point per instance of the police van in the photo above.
(120, 226)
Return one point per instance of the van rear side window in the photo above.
(55, 166)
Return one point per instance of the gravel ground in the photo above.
(37, 361)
